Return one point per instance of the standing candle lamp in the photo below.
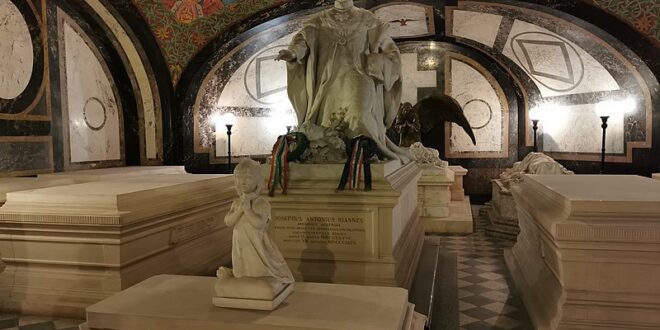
(535, 116)
(230, 120)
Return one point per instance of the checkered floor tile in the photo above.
(487, 297)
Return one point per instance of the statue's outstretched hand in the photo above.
(286, 55)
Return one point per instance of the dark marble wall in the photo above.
(33, 136)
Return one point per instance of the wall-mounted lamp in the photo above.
(229, 119)
(535, 116)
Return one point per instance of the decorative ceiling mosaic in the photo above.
(183, 27)
(642, 14)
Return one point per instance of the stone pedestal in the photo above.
(113, 173)
(457, 192)
(68, 247)
(434, 196)
(354, 237)
(439, 213)
(502, 213)
(169, 302)
(588, 253)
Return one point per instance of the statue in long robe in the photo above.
(344, 69)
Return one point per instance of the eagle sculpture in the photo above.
(430, 112)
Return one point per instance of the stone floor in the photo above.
(22, 322)
(462, 283)
(471, 287)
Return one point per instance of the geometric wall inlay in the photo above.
(478, 113)
(556, 65)
(90, 104)
(412, 79)
(266, 77)
(148, 95)
(95, 114)
(546, 56)
(16, 54)
(259, 81)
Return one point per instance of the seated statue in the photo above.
(259, 270)
(343, 68)
(534, 163)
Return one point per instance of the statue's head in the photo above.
(248, 177)
(344, 3)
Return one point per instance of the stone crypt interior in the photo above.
(121, 122)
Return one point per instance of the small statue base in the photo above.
(258, 304)
(260, 293)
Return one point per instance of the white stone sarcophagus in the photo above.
(501, 210)
(68, 247)
(588, 253)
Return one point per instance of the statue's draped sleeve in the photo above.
(384, 65)
(299, 72)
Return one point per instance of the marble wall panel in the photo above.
(564, 66)
(577, 129)
(149, 105)
(482, 107)
(15, 51)
(556, 65)
(416, 77)
(25, 155)
(92, 113)
(249, 83)
(480, 27)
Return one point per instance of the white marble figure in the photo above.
(533, 163)
(426, 156)
(259, 270)
(253, 253)
(343, 68)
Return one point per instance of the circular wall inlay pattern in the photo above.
(478, 113)
(15, 51)
(95, 114)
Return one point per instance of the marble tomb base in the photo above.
(656, 176)
(168, 302)
(113, 173)
(353, 237)
(68, 247)
(502, 213)
(588, 253)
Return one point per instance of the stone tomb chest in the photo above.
(68, 247)
(353, 237)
